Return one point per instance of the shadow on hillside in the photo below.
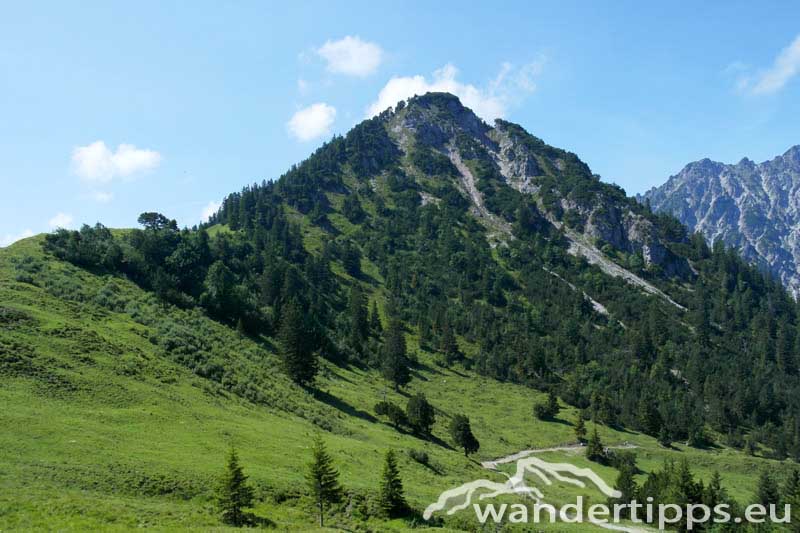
(342, 405)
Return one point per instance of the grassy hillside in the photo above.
(106, 425)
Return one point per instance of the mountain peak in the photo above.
(793, 154)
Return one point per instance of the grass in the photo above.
(103, 428)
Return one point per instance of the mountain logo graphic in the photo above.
(453, 500)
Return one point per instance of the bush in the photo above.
(419, 456)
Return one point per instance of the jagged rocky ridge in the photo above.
(752, 207)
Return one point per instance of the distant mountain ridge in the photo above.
(754, 207)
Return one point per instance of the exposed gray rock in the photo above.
(753, 207)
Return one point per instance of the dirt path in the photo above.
(514, 457)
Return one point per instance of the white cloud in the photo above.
(9, 239)
(490, 103)
(312, 121)
(96, 163)
(351, 56)
(785, 67)
(102, 197)
(61, 220)
(209, 210)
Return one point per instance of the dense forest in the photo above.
(374, 237)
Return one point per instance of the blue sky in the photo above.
(109, 109)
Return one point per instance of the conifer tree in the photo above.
(626, 485)
(420, 414)
(552, 404)
(594, 450)
(448, 345)
(580, 430)
(767, 491)
(395, 365)
(375, 319)
(322, 478)
(234, 494)
(358, 331)
(390, 498)
(664, 437)
(461, 432)
(298, 358)
(714, 493)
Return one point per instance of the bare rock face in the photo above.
(753, 207)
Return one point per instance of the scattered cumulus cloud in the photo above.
(351, 56)
(96, 163)
(771, 80)
(492, 102)
(61, 220)
(312, 122)
(209, 210)
(9, 239)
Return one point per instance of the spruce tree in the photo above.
(298, 358)
(420, 414)
(580, 430)
(448, 345)
(461, 432)
(552, 405)
(390, 498)
(713, 493)
(375, 319)
(594, 450)
(767, 491)
(395, 365)
(234, 494)
(358, 328)
(626, 485)
(322, 478)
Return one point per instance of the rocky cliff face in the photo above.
(753, 207)
(592, 214)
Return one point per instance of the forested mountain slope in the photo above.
(425, 251)
(451, 227)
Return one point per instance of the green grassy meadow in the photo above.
(103, 428)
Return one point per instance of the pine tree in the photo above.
(395, 365)
(420, 414)
(448, 345)
(375, 319)
(594, 450)
(626, 485)
(390, 498)
(767, 491)
(298, 359)
(358, 330)
(552, 404)
(580, 430)
(664, 437)
(235, 494)
(461, 432)
(714, 494)
(791, 487)
(323, 478)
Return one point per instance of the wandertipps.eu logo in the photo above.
(533, 476)
(542, 474)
